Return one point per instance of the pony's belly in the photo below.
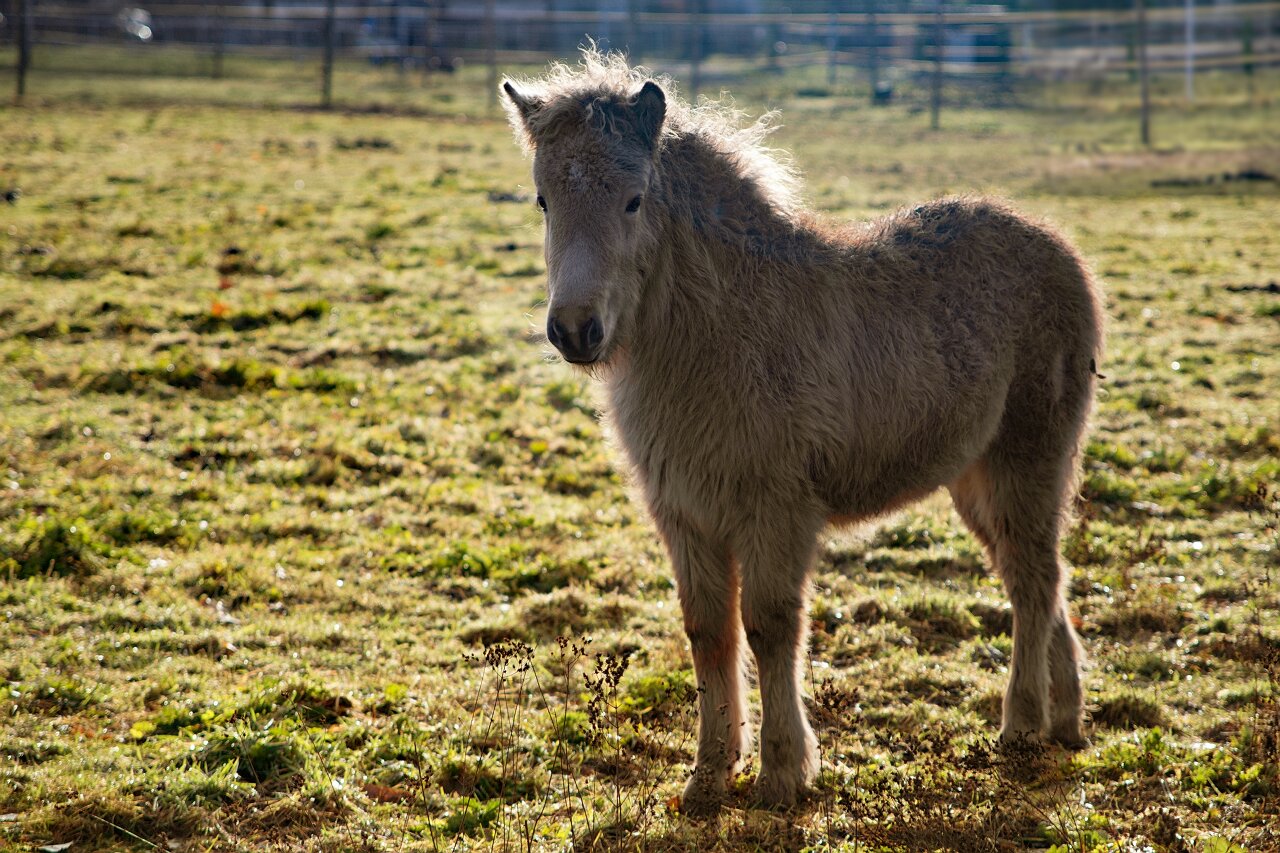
(852, 492)
(878, 471)
(850, 515)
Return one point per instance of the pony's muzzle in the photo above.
(578, 339)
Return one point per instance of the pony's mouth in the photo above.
(601, 359)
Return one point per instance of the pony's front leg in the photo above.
(775, 567)
(707, 584)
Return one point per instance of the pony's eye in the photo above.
(542, 204)
(634, 204)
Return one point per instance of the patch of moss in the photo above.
(52, 546)
(247, 319)
(1127, 711)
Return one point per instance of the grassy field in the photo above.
(307, 542)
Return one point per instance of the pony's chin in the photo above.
(598, 367)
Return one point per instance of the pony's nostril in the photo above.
(591, 334)
(556, 334)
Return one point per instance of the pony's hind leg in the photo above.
(707, 584)
(1066, 712)
(775, 563)
(1014, 509)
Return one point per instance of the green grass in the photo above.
(306, 543)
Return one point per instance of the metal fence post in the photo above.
(429, 36)
(25, 28)
(402, 39)
(833, 42)
(874, 36)
(633, 33)
(1246, 50)
(491, 49)
(553, 28)
(1140, 22)
(935, 99)
(695, 32)
(1191, 50)
(219, 38)
(330, 33)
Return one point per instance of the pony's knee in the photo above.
(711, 648)
(1066, 642)
(1034, 587)
(1065, 656)
(772, 625)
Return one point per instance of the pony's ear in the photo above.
(650, 107)
(519, 105)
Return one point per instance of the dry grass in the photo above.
(307, 545)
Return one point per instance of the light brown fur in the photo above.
(769, 374)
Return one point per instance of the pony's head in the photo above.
(595, 147)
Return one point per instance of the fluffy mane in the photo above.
(608, 77)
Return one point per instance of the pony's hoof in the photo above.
(701, 798)
(1067, 730)
(776, 791)
(1072, 740)
(1013, 733)
(1021, 742)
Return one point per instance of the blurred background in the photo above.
(917, 51)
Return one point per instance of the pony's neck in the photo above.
(708, 194)
(717, 229)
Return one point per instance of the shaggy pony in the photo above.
(769, 374)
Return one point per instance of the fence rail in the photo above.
(878, 42)
(474, 11)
